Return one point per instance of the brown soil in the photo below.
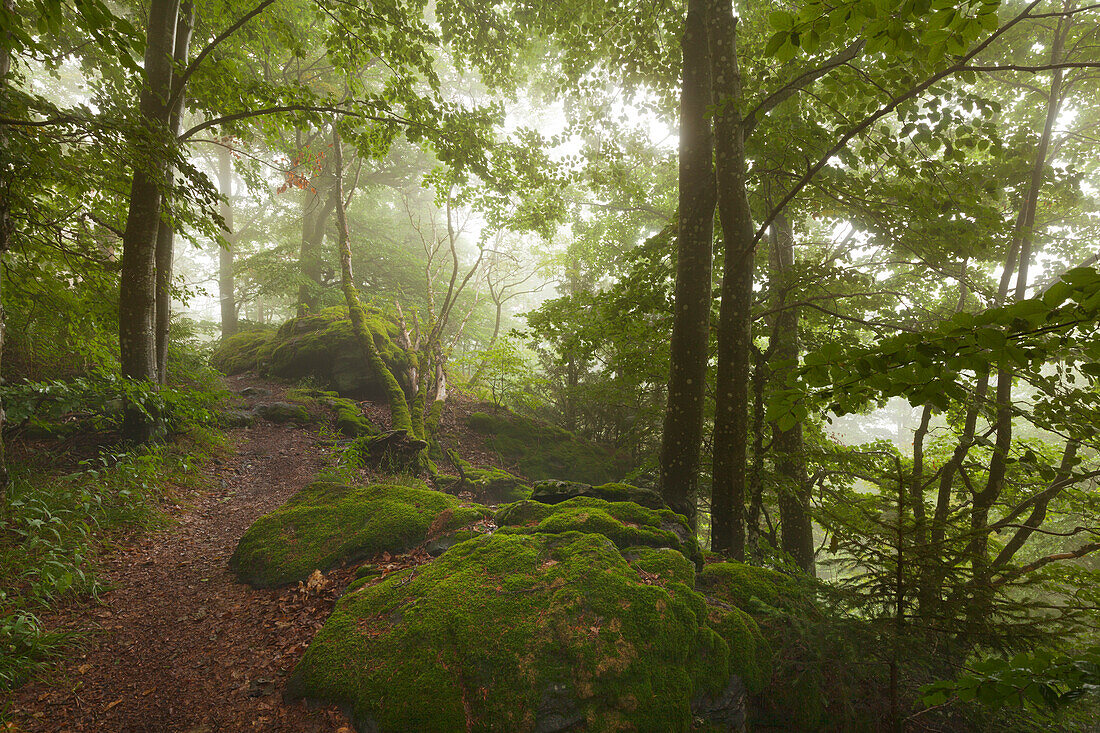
(178, 644)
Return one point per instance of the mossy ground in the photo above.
(542, 451)
(518, 632)
(327, 523)
(320, 346)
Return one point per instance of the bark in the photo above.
(166, 231)
(227, 296)
(796, 525)
(756, 479)
(6, 227)
(734, 316)
(683, 421)
(137, 291)
(400, 417)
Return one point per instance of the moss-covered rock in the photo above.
(327, 523)
(488, 485)
(738, 584)
(522, 632)
(244, 352)
(282, 412)
(320, 346)
(555, 492)
(543, 451)
(624, 523)
(348, 418)
(662, 564)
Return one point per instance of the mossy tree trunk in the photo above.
(682, 436)
(401, 417)
(137, 292)
(166, 231)
(731, 415)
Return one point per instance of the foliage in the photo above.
(53, 526)
(1044, 679)
(543, 451)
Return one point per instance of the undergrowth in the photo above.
(52, 526)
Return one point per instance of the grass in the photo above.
(53, 526)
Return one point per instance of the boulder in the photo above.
(624, 523)
(325, 524)
(236, 419)
(281, 412)
(555, 492)
(539, 632)
(321, 347)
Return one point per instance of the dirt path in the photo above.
(178, 644)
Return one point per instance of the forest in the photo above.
(469, 365)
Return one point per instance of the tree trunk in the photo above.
(6, 227)
(316, 209)
(226, 282)
(796, 526)
(484, 363)
(400, 417)
(165, 230)
(985, 499)
(683, 423)
(137, 292)
(734, 317)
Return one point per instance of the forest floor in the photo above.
(177, 644)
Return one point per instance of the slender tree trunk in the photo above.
(227, 295)
(6, 227)
(731, 416)
(165, 230)
(137, 293)
(994, 484)
(492, 342)
(400, 416)
(796, 525)
(683, 424)
(316, 209)
(756, 479)
(978, 549)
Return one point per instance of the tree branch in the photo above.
(800, 82)
(181, 82)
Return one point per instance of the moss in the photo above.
(349, 420)
(328, 523)
(624, 523)
(520, 633)
(282, 412)
(556, 491)
(750, 655)
(738, 584)
(488, 485)
(543, 451)
(244, 352)
(663, 564)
